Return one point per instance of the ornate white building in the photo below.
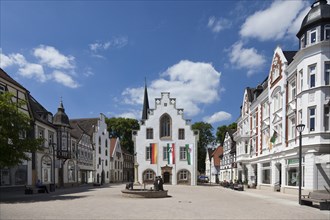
(165, 145)
(296, 91)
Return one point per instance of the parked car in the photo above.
(203, 179)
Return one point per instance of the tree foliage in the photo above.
(221, 131)
(16, 133)
(122, 128)
(205, 138)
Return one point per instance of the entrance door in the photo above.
(166, 177)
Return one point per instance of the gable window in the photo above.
(2, 89)
(183, 153)
(327, 32)
(311, 118)
(150, 133)
(327, 73)
(148, 153)
(165, 126)
(312, 73)
(313, 35)
(326, 118)
(181, 134)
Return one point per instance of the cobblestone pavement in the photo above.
(184, 202)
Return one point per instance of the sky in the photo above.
(96, 56)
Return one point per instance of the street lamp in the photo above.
(52, 187)
(300, 128)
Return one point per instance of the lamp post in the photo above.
(52, 188)
(300, 128)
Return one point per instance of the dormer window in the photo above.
(327, 32)
(313, 35)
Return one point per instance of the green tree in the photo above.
(122, 128)
(16, 133)
(205, 138)
(221, 131)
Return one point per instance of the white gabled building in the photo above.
(116, 161)
(297, 91)
(228, 168)
(165, 145)
(97, 129)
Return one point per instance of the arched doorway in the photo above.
(167, 174)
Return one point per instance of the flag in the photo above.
(273, 138)
(189, 150)
(170, 153)
(153, 153)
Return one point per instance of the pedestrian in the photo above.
(41, 186)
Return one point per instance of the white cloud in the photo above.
(218, 24)
(117, 42)
(51, 57)
(217, 117)
(33, 70)
(247, 58)
(133, 115)
(191, 83)
(64, 79)
(47, 58)
(276, 21)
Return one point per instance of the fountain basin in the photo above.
(143, 193)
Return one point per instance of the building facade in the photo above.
(116, 161)
(165, 145)
(296, 91)
(128, 166)
(228, 168)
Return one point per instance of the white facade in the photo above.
(228, 168)
(165, 126)
(102, 151)
(297, 91)
(116, 161)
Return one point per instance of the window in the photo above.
(106, 152)
(181, 134)
(148, 175)
(183, 175)
(41, 134)
(313, 36)
(106, 162)
(327, 73)
(183, 153)
(100, 140)
(99, 160)
(2, 89)
(292, 88)
(326, 118)
(106, 143)
(301, 76)
(165, 126)
(246, 147)
(165, 153)
(265, 110)
(148, 153)
(311, 116)
(99, 149)
(327, 32)
(300, 117)
(312, 72)
(302, 42)
(150, 133)
(266, 173)
(292, 128)
(292, 172)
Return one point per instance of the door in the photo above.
(166, 177)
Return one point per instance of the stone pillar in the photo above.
(136, 173)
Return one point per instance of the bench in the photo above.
(323, 199)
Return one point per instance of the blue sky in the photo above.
(97, 54)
